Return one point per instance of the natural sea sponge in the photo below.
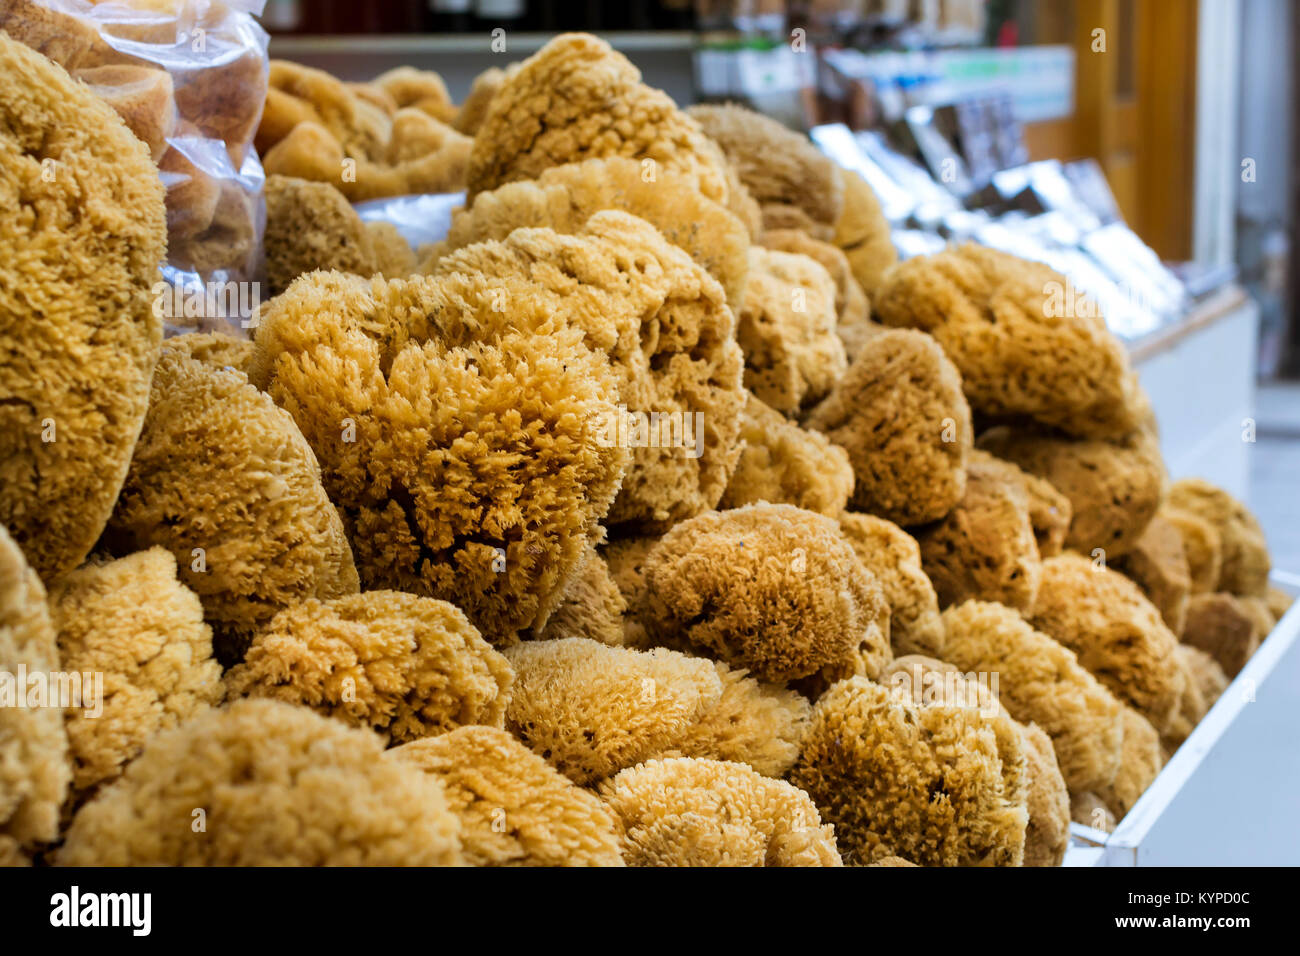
(1050, 512)
(1279, 602)
(80, 251)
(34, 768)
(626, 558)
(1157, 563)
(214, 349)
(751, 723)
(1019, 355)
(1202, 547)
(771, 588)
(1140, 762)
(926, 681)
(1114, 488)
(683, 811)
(668, 332)
(141, 95)
(191, 197)
(894, 557)
(134, 623)
(514, 809)
(564, 197)
(421, 89)
(1222, 626)
(229, 241)
(223, 480)
(942, 786)
(575, 99)
(473, 110)
(1116, 632)
(391, 255)
(985, 546)
(863, 233)
(463, 454)
(399, 664)
(591, 710)
(1206, 673)
(1040, 681)
(1245, 566)
(310, 225)
(900, 413)
(778, 166)
(592, 605)
(783, 463)
(277, 785)
(852, 310)
(786, 329)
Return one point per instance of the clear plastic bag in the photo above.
(189, 78)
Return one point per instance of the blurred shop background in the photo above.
(1144, 148)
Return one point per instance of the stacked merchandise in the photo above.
(654, 516)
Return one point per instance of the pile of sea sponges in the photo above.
(610, 530)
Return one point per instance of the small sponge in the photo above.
(894, 557)
(1245, 553)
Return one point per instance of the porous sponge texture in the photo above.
(564, 197)
(666, 327)
(900, 413)
(1116, 632)
(34, 767)
(223, 479)
(592, 606)
(514, 808)
(1245, 565)
(1019, 356)
(862, 231)
(942, 786)
(591, 710)
(215, 349)
(786, 329)
(463, 453)
(577, 98)
(785, 464)
(131, 621)
(771, 588)
(894, 557)
(683, 811)
(402, 665)
(1042, 682)
(264, 783)
(78, 333)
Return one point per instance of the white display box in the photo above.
(1230, 795)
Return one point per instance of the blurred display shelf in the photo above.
(1228, 796)
(291, 46)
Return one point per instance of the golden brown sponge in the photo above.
(514, 809)
(752, 722)
(626, 559)
(463, 454)
(779, 167)
(985, 546)
(421, 89)
(994, 315)
(402, 665)
(894, 557)
(1140, 762)
(900, 413)
(863, 233)
(1050, 511)
(1205, 673)
(310, 95)
(1116, 632)
(592, 605)
(591, 710)
(1279, 602)
(1245, 566)
(132, 622)
(683, 811)
(771, 588)
(668, 331)
(926, 682)
(942, 786)
(34, 767)
(785, 464)
(1202, 546)
(310, 225)
(577, 98)
(214, 349)
(391, 255)
(141, 95)
(223, 480)
(786, 329)
(1040, 681)
(78, 334)
(264, 783)
(473, 110)
(1114, 488)
(1157, 563)
(1222, 626)
(564, 197)
(852, 311)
